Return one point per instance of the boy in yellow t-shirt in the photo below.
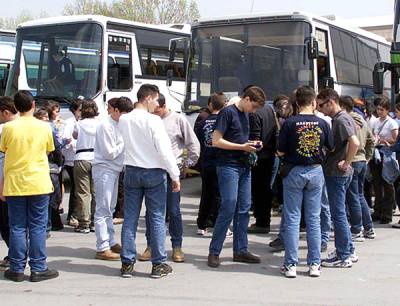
(25, 143)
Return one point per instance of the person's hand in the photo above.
(249, 147)
(69, 140)
(384, 142)
(176, 186)
(344, 166)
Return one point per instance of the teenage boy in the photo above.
(338, 175)
(148, 159)
(27, 184)
(231, 136)
(301, 142)
(107, 165)
(182, 137)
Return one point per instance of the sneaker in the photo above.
(92, 228)
(335, 262)
(369, 234)
(314, 270)
(229, 233)
(127, 270)
(160, 270)
(146, 255)
(353, 257)
(396, 225)
(14, 276)
(289, 271)
(116, 248)
(246, 257)
(82, 230)
(107, 255)
(201, 232)
(359, 237)
(117, 221)
(178, 255)
(277, 245)
(44, 275)
(255, 229)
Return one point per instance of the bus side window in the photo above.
(119, 64)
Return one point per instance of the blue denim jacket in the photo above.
(390, 165)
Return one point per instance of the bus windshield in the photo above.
(229, 58)
(60, 61)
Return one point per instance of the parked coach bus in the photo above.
(280, 52)
(106, 58)
(7, 51)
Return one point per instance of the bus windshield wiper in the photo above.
(55, 98)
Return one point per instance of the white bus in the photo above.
(280, 52)
(7, 51)
(109, 58)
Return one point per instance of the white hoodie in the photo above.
(86, 129)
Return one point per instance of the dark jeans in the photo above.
(72, 197)
(28, 219)
(210, 198)
(4, 227)
(119, 208)
(384, 194)
(261, 191)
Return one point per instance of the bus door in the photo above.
(121, 62)
(324, 77)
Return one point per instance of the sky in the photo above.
(209, 8)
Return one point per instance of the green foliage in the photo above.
(11, 23)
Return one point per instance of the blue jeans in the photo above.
(175, 225)
(28, 221)
(325, 219)
(152, 185)
(336, 187)
(303, 186)
(235, 189)
(360, 215)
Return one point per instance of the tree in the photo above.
(11, 23)
(88, 7)
(147, 11)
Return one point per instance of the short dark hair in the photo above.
(328, 94)
(161, 100)
(6, 103)
(50, 106)
(382, 102)
(217, 101)
(256, 95)
(305, 95)
(23, 101)
(89, 109)
(147, 90)
(75, 105)
(347, 103)
(40, 113)
(112, 102)
(280, 98)
(123, 104)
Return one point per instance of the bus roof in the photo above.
(176, 28)
(280, 16)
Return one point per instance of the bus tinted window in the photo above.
(344, 50)
(119, 63)
(367, 52)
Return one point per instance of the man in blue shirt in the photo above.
(231, 136)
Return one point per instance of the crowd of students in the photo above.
(316, 154)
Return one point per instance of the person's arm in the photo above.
(352, 148)
(219, 142)
(255, 126)
(191, 143)
(369, 145)
(106, 144)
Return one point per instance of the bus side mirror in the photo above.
(377, 77)
(170, 74)
(172, 50)
(312, 48)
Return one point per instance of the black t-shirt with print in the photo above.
(302, 139)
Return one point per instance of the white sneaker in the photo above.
(229, 233)
(289, 271)
(201, 232)
(353, 257)
(359, 237)
(314, 270)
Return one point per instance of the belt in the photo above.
(84, 150)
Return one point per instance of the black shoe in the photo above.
(127, 270)
(14, 276)
(375, 217)
(42, 276)
(246, 257)
(385, 221)
(58, 227)
(277, 245)
(160, 270)
(256, 229)
(213, 261)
